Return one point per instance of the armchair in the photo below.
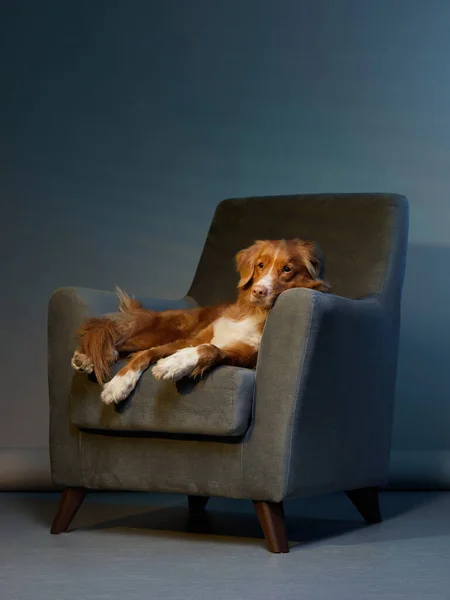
(315, 416)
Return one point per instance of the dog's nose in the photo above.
(259, 291)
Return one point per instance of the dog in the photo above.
(188, 343)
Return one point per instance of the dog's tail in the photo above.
(99, 336)
(127, 304)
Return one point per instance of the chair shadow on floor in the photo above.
(228, 526)
(327, 519)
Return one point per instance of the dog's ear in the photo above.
(245, 262)
(313, 258)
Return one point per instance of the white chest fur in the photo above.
(227, 331)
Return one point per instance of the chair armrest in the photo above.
(68, 308)
(324, 392)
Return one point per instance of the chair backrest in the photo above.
(363, 237)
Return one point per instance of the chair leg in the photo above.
(271, 519)
(197, 503)
(367, 503)
(69, 504)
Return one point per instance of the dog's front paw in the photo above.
(177, 365)
(120, 387)
(82, 363)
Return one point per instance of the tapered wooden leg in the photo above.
(271, 519)
(367, 503)
(197, 503)
(69, 503)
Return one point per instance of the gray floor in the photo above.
(135, 546)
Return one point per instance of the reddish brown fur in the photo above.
(152, 335)
(98, 340)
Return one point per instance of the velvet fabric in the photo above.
(316, 416)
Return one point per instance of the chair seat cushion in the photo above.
(218, 405)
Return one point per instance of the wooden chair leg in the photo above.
(69, 504)
(367, 503)
(197, 503)
(271, 519)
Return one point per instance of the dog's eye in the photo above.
(287, 269)
(261, 265)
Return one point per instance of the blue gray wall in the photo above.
(124, 123)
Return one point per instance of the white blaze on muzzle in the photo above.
(267, 280)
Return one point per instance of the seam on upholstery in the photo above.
(234, 428)
(252, 415)
(248, 432)
(233, 392)
(297, 407)
(78, 434)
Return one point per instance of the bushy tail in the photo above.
(99, 337)
(127, 304)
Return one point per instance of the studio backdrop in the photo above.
(124, 124)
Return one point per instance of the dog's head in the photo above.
(269, 267)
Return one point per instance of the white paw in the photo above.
(177, 365)
(120, 387)
(82, 363)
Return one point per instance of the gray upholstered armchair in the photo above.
(314, 417)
